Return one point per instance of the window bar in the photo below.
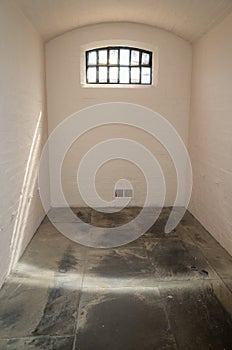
(130, 66)
(150, 65)
(86, 65)
(97, 67)
(118, 65)
(108, 63)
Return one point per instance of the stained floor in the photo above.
(160, 292)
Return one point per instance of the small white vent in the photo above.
(119, 192)
(128, 193)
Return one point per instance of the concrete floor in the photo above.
(163, 291)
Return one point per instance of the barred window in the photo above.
(119, 65)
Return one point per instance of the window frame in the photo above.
(118, 65)
(80, 56)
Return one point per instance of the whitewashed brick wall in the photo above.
(22, 99)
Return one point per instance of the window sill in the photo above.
(117, 86)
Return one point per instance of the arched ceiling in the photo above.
(188, 19)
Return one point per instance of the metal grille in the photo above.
(119, 65)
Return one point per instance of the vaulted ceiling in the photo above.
(189, 19)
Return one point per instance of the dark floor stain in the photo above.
(68, 261)
(83, 213)
(198, 319)
(121, 261)
(52, 343)
(10, 318)
(59, 313)
(38, 343)
(122, 321)
(124, 216)
(170, 258)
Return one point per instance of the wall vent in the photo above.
(119, 192)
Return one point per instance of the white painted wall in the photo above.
(66, 95)
(22, 102)
(210, 141)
